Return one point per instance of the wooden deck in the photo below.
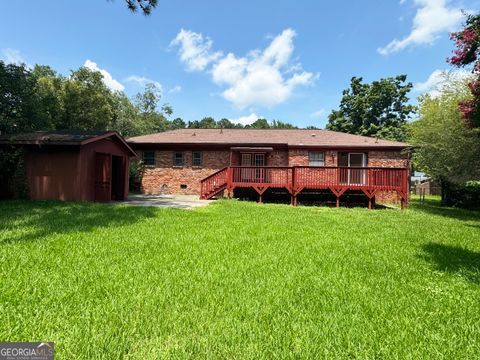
(369, 180)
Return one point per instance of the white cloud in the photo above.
(175, 89)
(437, 79)
(261, 78)
(107, 77)
(246, 120)
(194, 50)
(402, 2)
(143, 81)
(433, 18)
(318, 114)
(13, 56)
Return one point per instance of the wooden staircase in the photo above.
(214, 184)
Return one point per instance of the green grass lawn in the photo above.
(241, 280)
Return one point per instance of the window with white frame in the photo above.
(316, 158)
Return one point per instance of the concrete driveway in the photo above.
(172, 201)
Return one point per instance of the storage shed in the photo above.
(74, 166)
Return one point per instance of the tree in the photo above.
(50, 87)
(207, 123)
(467, 52)
(147, 100)
(127, 118)
(88, 102)
(277, 124)
(259, 124)
(19, 102)
(378, 109)
(146, 6)
(225, 124)
(178, 123)
(445, 149)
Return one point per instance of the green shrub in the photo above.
(135, 175)
(465, 196)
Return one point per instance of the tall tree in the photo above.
(151, 119)
(277, 124)
(379, 109)
(89, 104)
(19, 101)
(208, 123)
(259, 124)
(225, 124)
(467, 43)
(178, 123)
(50, 87)
(127, 119)
(445, 149)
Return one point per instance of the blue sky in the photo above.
(284, 59)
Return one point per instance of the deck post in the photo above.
(402, 204)
(259, 198)
(369, 203)
(294, 200)
(338, 201)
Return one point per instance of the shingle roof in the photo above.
(62, 137)
(52, 137)
(290, 137)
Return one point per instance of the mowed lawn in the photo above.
(240, 280)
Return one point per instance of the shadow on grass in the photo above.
(433, 207)
(35, 219)
(454, 260)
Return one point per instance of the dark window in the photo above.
(149, 157)
(197, 158)
(259, 159)
(178, 159)
(316, 158)
(183, 186)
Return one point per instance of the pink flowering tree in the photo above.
(467, 53)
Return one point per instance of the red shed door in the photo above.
(103, 177)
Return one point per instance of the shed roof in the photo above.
(62, 138)
(290, 137)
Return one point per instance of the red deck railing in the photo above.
(297, 178)
(213, 184)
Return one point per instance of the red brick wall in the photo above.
(387, 159)
(277, 158)
(297, 157)
(167, 179)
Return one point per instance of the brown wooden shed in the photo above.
(74, 166)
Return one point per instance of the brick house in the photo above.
(208, 162)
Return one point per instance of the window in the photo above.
(316, 158)
(197, 158)
(149, 158)
(178, 159)
(259, 159)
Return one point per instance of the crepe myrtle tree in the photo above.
(467, 54)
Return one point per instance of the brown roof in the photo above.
(62, 137)
(290, 137)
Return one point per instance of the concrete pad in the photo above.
(167, 201)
